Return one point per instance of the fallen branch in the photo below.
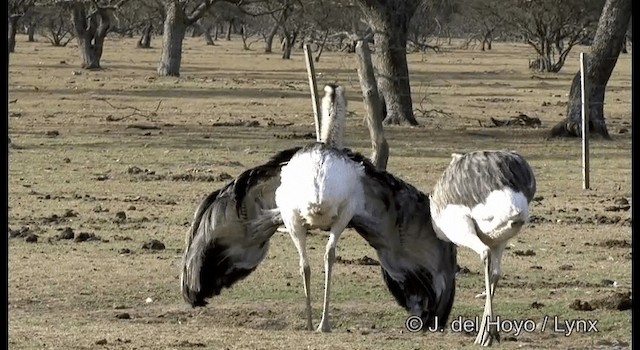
(519, 120)
(430, 113)
(136, 111)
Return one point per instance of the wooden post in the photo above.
(372, 106)
(311, 73)
(584, 86)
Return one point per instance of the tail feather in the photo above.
(319, 215)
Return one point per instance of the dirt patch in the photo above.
(246, 123)
(67, 233)
(143, 127)
(140, 174)
(31, 238)
(295, 136)
(619, 204)
(153, 244)
(580, 305)
(120, 217)
(86, 237)
(123, 316)
(618, 301)
(521, 120)
(537, 219)
(206, 178)
(611, 243)
(365, 260)
(188, 344)
(537, 305)
(527, 252)
(22, 232)
(58, 219)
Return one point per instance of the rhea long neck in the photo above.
(332, 125)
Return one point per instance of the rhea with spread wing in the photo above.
(230, 234)
(231, 229)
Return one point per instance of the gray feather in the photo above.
(470, 177)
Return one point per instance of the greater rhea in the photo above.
(321, 189)
(481, 202)
(230, 233)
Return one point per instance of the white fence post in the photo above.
(584, 87)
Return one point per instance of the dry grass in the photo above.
(66, 295)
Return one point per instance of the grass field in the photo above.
(125, 157)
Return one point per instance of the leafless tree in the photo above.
(17, 9)
(151, 16)
(480, 21)
(601, 59)
(135, 17)
(54, 26)
(31, 20)
(430, 20)
(552, 28)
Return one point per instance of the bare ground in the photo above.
(121, 157)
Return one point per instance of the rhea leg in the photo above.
(492, 276)
(329, 258)
(298, 234)
(460, 229)
(496, 271)
(496, 267)
(486, 335)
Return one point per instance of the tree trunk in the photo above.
(91, 52)
(217, 30)
(91, 30)
(244, 35)
(289, 41)
(229, 29)
(373, 107)
(31, 32)
(172, 37)
(205, 31)
(268, 41)
(601, 59)
(388, 20)
(286, 54)
(145, 39)
(322, 43)
(13, 29)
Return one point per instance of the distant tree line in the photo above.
(393, 27)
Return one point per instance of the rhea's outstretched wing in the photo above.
(418, 268)
(230, 232)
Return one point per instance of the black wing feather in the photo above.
(417, 267)
(230, 231)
